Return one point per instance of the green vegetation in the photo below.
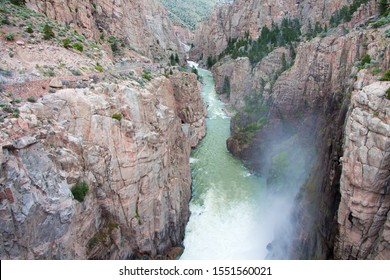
(195, 71)
(7, 108)
(174, 59)
(29, 29)
(388, 93)
(381, 21)
(252, 118)
(18, 2)
(78, 46)
(366, 59)
(345, 13)
(92, 242)
(98, 67)
(146, 75)
(4, 19)
(189, 12)
(278, 36)
(48, 32)
(76, 72)
(31, 99)
(34, 25)
(384, 8)
(386, 76)
(103, 236)
(10, 36)
(318, 29)
(67, 43)
(116, 44)
(211, 61)
(137, 216)
(48, 71)
(15, 114)
(226, 86)
(117, 116)
(80, 190)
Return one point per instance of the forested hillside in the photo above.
(189, 12)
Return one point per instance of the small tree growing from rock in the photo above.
(48, 32)
(80, 190)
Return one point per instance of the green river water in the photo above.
(228, 218)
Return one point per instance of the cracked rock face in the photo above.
(232, 21)
(137, 170)
(144, 25)
(364, 212)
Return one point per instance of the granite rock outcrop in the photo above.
(129, 143)
(143, 25)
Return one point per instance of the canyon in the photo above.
(317, 108)
(306, 94)
(124, 134)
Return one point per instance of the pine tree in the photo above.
(177, 59)
(383, 8)
(226, 86)
(172, 59)
(284, 63)
(48, 32)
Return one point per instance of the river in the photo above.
(228, 219)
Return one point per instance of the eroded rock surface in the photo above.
(364, 216)
(130, 144)
(232, 21)
(144, 25)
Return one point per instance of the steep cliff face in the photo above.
(144, 25)
(364, 212)
(129, 144)
(245, 79)
(232, 21)
(303, 107)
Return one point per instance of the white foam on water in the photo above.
(226, 220)
(222, 231)
(193, 64)
(193, 160)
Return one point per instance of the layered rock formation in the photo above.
(144, 25)
(307, 110)
(364, 213)
(129, 144)
(232, 21)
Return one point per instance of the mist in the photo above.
(235, 213)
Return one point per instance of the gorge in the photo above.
(295, 163)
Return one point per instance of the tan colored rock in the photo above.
(56, 83)
(365, 201)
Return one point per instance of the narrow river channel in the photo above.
(228, 218)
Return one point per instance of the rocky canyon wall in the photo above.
(232, 21)
(143, 25)
(308, 108)
(364, 212)
(129, 143)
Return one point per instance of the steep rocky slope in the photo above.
(94, 154)
(292, 108)
(232, 21)
(364, 213)
(136, 167)
(143, 25)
